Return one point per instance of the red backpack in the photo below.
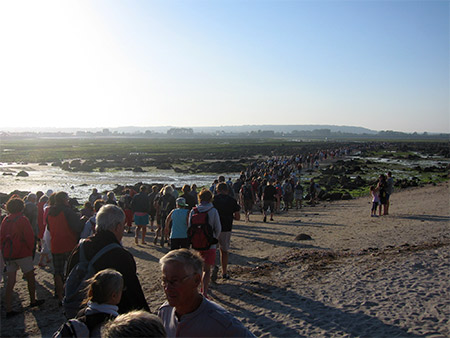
(200, 232)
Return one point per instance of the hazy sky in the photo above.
(382, 65)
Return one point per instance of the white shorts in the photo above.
(26, 264)
(224, 241)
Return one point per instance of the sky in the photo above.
(382, 65)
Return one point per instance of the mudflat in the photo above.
(357, 275)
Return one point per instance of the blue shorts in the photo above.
(141, 220)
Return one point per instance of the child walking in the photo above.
(375, 201)
(104, 292)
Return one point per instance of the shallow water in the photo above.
(80, 184)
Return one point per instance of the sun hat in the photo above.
(181, 201)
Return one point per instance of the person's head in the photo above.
(372, 188)
(61, 198)
(94, 191)
(205, 196)
(111, 195)
(186, 189)
(134, 324)
(389, 174)
(127, 191)
(222, 188)
(167, 190)
(39, 194)
(181, 202)
(143, 188)
(194, 187)
(31, 198)
(43, 199)
(98, 204)
(221, 178)
(52, 199)
(49, 192)
(181, 275)
(155, 188)
(105, 287)
(111, 218)
(15, 205)
(88, 205)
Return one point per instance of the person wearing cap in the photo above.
(178, 218)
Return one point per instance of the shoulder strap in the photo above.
(102, 252)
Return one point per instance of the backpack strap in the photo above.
(101, 252)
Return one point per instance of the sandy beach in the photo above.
(358, 275)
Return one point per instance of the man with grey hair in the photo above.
(109, 229)
(186, 313)
(134, 324)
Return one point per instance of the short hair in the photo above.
(15, 205)
(108, 217)
(134, 324)
(205, 195)
(43, 199)
(190, 259)
(103, 285)
(155, 188)
(61, 197)
(143, 188)
(98, 204)
(186, 188)
(167, 190)
(222, 187)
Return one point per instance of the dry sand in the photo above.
(358, 276)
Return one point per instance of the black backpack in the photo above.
(76, 283)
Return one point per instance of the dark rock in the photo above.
(138, 170)
(7, 174)
(22, 173)
(346, 196)
(43, 164)
(303, 237)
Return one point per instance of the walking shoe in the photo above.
(214, 273)
(226, 276)
(38, 302)
(265, 219)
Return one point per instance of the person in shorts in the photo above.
(205, 197)
(140, 205)
(268, 197)
(17, 244)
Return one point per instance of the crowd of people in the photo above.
(114, 304)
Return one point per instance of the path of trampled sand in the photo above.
(358, 276)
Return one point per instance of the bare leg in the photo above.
(205, 278)
(224, 261)
(59, 286)
(9, 290)
(144, 232)
(136, 234)
(31, 286)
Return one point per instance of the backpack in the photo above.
(247, 192)
(72, 328)
(75, 287)
(7, 245)
(200, 232)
